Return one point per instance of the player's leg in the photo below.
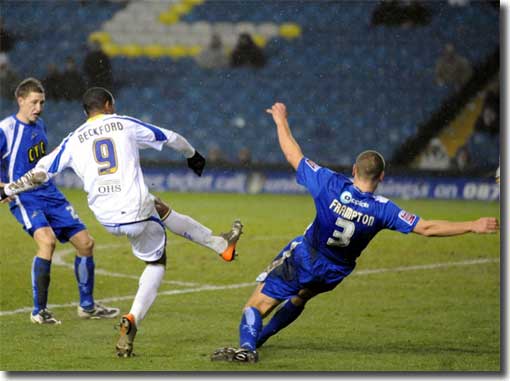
(256, 308)
(32, 217)
(288, 312)
(187, 227)
(41, 270)
(148, 286)
(278, 282)
(148, 240)
(84, 270)
(68, 227)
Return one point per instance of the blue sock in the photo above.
(282, 318)
(249, 329)
(40, 283)
(84, 271)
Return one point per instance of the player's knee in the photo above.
(162, 208)
(84, 244)
(248, 306)
(298, 301)
(89, 244)
(262, 306)
(302, 297)
(46, 242)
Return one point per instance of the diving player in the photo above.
(348, 216)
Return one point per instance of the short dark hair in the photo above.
(95, 98)
(27, 86)
(370, 165)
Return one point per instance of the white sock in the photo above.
(148, 286)
(187, 227)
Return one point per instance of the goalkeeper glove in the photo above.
(197, 163)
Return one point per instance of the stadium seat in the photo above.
(375, 81)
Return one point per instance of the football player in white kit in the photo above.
(104, 153)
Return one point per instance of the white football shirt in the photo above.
(104, 153)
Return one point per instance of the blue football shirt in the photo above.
(347, 219)
(21, 147)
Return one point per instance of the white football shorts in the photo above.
(148, 237)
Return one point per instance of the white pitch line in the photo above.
(427, 267)
(58, 260)
(241, 285)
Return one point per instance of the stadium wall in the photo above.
(283, 182)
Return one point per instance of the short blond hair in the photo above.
(27, 86)
(370, 165)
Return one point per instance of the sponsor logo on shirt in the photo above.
(346, 198)
(407, 217)
(314, 166)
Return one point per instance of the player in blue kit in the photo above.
(44, 213)
(348, 216)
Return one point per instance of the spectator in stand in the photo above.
(53, 82)
(400, 13)
(452, 69)
(488, 121)
(73, 85)
(484, 142)
(215, 155)
(435, 156)
(6, 39)
(244, 157)
(247, 53)
(213, 57)
(8, 78)
(462, 159)
(97, 68)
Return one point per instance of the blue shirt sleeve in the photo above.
(312, 176)
(3, 144)
(398, 219)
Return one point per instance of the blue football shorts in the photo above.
(298, 266)
(59, 215)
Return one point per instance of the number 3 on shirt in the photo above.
(342, 238)
(105, 155)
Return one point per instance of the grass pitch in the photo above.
(412, 304)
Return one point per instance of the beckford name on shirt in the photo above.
(102, 129)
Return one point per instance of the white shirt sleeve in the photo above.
(57, 160)
(151, 136)
(47, 167)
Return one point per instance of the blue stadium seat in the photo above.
(368, 85)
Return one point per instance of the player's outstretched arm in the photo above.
(439, 228)
(30, 180)
(195, 160)
(289, 146)
(49, 165)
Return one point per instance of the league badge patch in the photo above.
(407, 217)
(314, 166)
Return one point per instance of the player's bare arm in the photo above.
(288, 144)
(439, 228)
